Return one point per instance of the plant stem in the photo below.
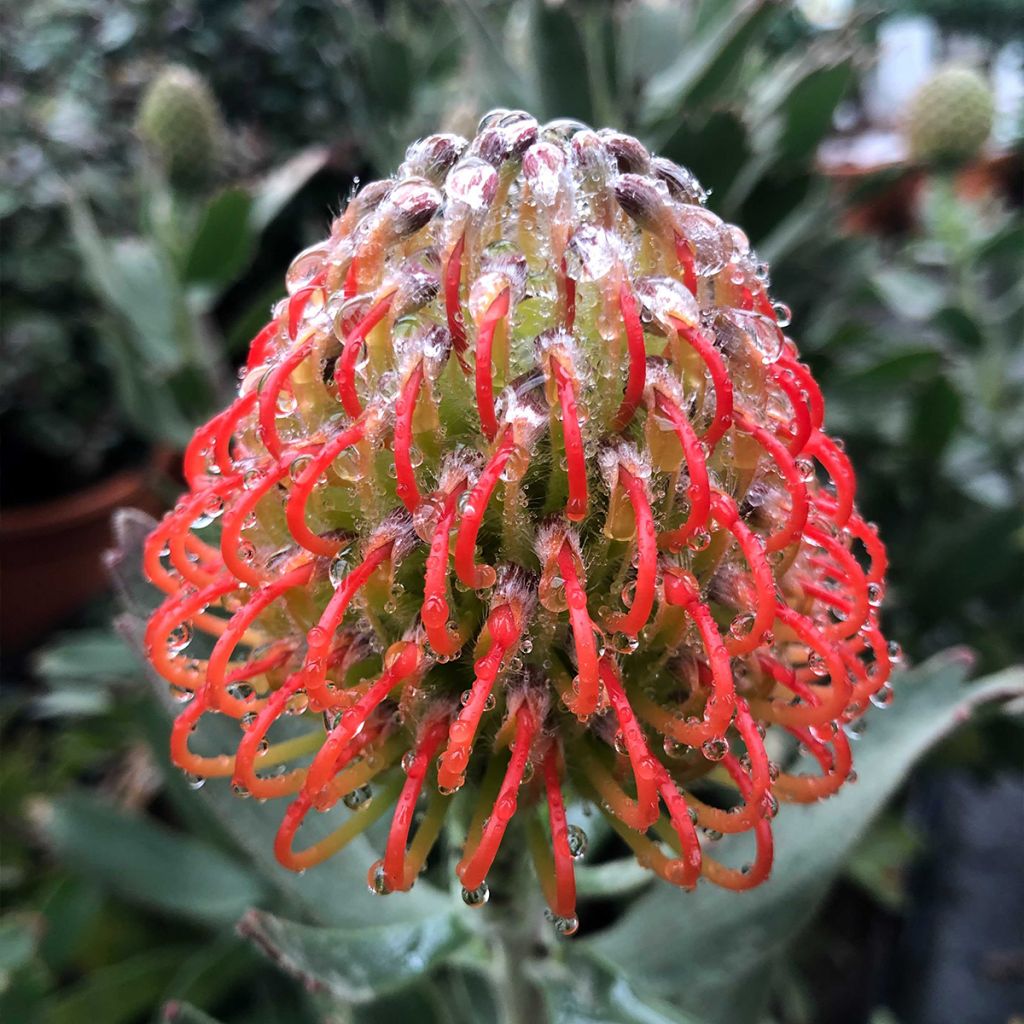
(513, 927)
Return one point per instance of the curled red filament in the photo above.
(564, 903)
(575, 457)
(635, 619)
(345, 369)
(637, 352)
(453, 301)
(720, 379)
(406, 489)
(496, 312)
(473, 575)
(474, 866)
(397, 873)
(504, 627)
(582, 630)
(444, 638)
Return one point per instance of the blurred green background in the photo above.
(144, 239)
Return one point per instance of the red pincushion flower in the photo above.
(525, 493)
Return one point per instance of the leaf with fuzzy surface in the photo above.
(356, 965)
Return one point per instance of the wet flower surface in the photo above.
(525, 499)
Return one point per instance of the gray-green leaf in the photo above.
(356, 965)
(149, 864)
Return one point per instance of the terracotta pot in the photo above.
(50, 553)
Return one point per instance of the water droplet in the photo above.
(591, 254)
(358, 798)
(476, 897)
(564, 926)
(674, 749)
(298, 704)
(817, 664)
(578, 842)
(699, 541)
(339, 567)
(883, 697)
(715, 748)
(179, 638)
(376, 880)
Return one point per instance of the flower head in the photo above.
(525, 494)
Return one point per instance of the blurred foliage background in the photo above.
(129, 294)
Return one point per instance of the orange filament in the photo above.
(302, 488)
(643, 812)
(699, 490)
(399, 666)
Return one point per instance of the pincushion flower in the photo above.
(525, 497)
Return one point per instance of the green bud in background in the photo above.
(180, 122)
(950, 117)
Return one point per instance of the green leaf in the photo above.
(895, 371)
(581, 992)
(356, 965)
(613, 878)
(650, 38)
(960, 327)
(149, 864)
(703, 68)
(387, 73)
(135, 283)
(937, 415)
(712, 952)
(562, 62)
(19, 936)
(71, 909)
(82, 656)
(212, 970)
(908, 294)
(281, 185)
(879, 862)
(502, 81)
(175, 1012)
(121, 992)
(808, 108)
(424, 1004)
(716, 148)
(224, 243)
(253, 317)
